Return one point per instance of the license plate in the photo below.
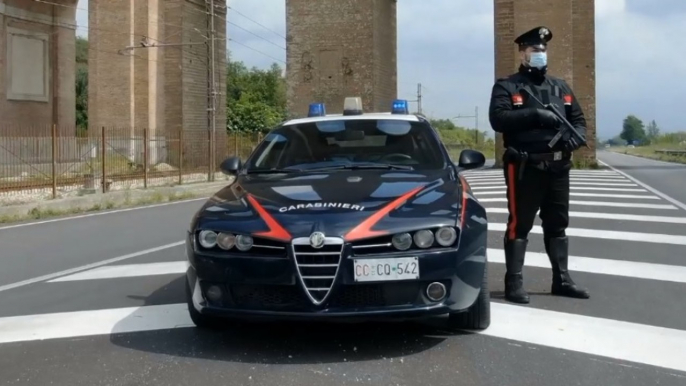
(402, 268)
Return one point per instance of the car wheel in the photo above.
(478, 316)
(200, 320)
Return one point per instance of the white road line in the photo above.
(130, 270)
(612, 216)
(100, 213)
(573, 178)
(645, 197)
(634, 205)
(87, 266)
(571, 172)
(650, 345)
(607, 235)
(651, 189)
(491, 183)
(89, 323)
(638, 270)
(480, 188)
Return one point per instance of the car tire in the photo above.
(478, 316)
(200, 320)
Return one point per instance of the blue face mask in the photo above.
(538, 60)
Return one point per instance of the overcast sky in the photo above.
(447, 45)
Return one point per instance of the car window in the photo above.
(349, 142)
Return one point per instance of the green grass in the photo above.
(649, 152)
(39, 213)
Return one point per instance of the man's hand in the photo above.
(572, 144)
(548, 119)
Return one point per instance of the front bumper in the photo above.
(270, 287)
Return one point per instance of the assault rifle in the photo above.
(564, 120)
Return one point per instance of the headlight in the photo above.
(402, 241)
(208, 239)
(243, 242)
(226, 241)
(424, 238)
(446, 236)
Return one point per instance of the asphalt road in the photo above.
(98, 300)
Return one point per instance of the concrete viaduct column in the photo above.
(571, 52)
(339, 48)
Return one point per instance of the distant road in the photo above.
(667, 177)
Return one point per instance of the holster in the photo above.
(516, 156)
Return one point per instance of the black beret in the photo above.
(537, 36)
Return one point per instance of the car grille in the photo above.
(317, 268)
(376, 295)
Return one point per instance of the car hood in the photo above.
(351, 204)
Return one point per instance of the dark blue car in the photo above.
(350, 216)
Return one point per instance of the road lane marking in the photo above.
(611, 216)
(638, 270)
(89, 323)
(129, 270)
(605, 234)
(633, 342)
(503, 186)
(101, 213)
(645, 197)
(650, 188)
(88, 266)
(585, 178)
(575, 183)
(600, 203)
(650, 345)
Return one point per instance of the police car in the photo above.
(356, 215)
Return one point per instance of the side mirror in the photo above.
(471, 159)
(230, 165)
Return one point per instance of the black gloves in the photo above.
(548, 119)
(572, 145)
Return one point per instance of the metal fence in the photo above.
(44, 162)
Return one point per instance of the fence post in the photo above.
(209, 156)
(145, 158)
(102, 156)
(180, 156)
(54, 161)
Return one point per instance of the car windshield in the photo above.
(355, 143)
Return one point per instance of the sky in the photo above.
(447, 46)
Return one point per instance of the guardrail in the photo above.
(671, 152)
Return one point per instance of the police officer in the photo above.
(537, 176)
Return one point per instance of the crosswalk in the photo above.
(625, 242)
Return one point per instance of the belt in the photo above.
(555, 156)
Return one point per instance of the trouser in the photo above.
(541, 187)
(538, 187)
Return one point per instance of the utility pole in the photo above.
(212, 91)
(476, 123)
(419, 98)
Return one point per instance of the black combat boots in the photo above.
(514, 263)
(557, 249)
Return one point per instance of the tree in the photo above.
(81, 83)
(653, 131)
(256, 99)
(633, 129)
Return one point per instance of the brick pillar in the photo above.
(571, 53)
(341, 48)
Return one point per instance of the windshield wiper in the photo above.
(272, 171)
(364, 166)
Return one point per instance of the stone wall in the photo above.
(37, 74)
(340, 48)
(571, 51)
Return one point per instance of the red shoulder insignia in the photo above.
(517, 100)
(568, 99)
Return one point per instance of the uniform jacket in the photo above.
(513, 113)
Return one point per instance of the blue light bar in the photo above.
(400, 107)
(317, 110)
